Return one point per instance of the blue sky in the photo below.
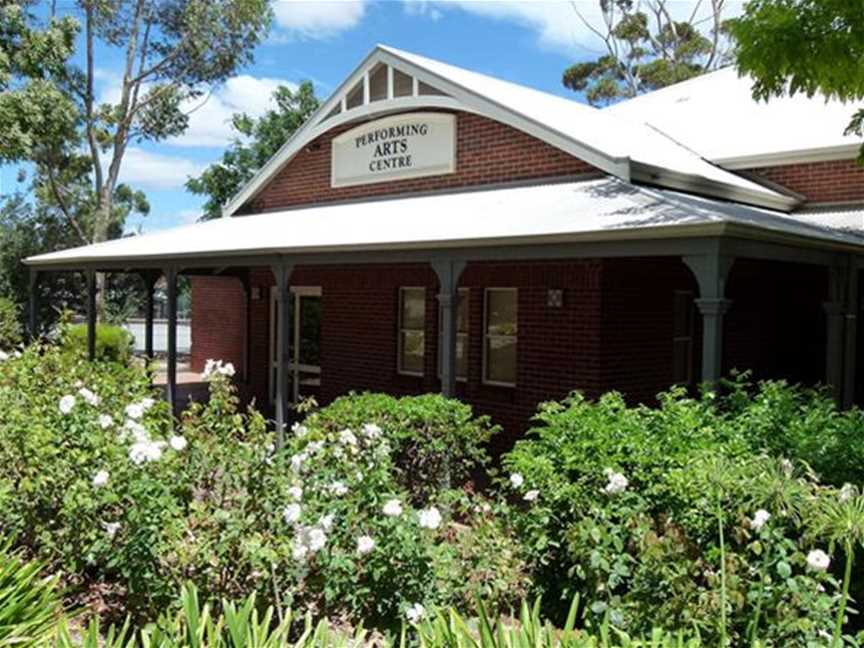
(525, 42)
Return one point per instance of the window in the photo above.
(461, 337)
(403, 84)
(378, 82)
(412, 334)
(500, 333)
(682, 337)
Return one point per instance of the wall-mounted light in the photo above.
(554, 298)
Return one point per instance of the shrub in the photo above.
(628, 504)
(437, 442)
(137, 507)
(10, 325)
(113, 343)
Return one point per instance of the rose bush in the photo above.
(127, 505)
(685, 515)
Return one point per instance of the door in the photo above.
(304, 345)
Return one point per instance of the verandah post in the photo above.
(835, 311)
(171, 369)
(851, 331)
(448, 272)
(282, 274)
(33, 315)
(711, 270)
(91, 315)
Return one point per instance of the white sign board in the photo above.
(394, 148)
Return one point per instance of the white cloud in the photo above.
(145, 169)
(557, 23)
(210, 115)
(318, 19)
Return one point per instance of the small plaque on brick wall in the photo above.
(554, 298)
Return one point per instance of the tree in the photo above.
(172, 53)
(33, 106)
(257, 141)
(646, 48)
(809, 46)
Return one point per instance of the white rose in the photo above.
(818, 560)
(295, 492)
(299, 430)
(531, 495)
(89, 396)
(105, 421)
(100, 479)
(326, 522)
(338, 488)
(347, 437)
(393, 508)
(365, 544)
(516, 480)
(617, 483)
(291, 513)
(760, 517)
(316, 539)
(66, 404)
(415, 613)
(430, 518)
(178, 442)
(135, 411)
(111, 528)
(371, 431)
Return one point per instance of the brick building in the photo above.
(434, 229)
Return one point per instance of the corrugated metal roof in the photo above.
(716, 116)
(602, 209)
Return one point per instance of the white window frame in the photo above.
(464, 337)
(486, 336)
(296, 292)
(401, 330)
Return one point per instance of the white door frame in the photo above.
(294, 367)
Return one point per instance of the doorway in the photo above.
(304, 345)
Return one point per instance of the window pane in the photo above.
(462, 356)
(501, 312)
(378, 83)
(355, 96)
(462, 312)
(310, 331)
(413, 308)
(403, 85)
(501, 360)
(413, 346)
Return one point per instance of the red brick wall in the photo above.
(487, 152)
(638, 325)
(614, 330)
(822, 182)
(218, 321)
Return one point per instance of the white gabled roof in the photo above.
(716, 116)
(625, 148)
(604, 209)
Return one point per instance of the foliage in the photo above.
(256, 142)
(29, 603)
(647, 48)
(133, 508)
(632, 501)
(809, 46)
(113, 343)
(33, 106)
(436, 442)
(10, 325)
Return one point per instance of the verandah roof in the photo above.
(604, 209)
